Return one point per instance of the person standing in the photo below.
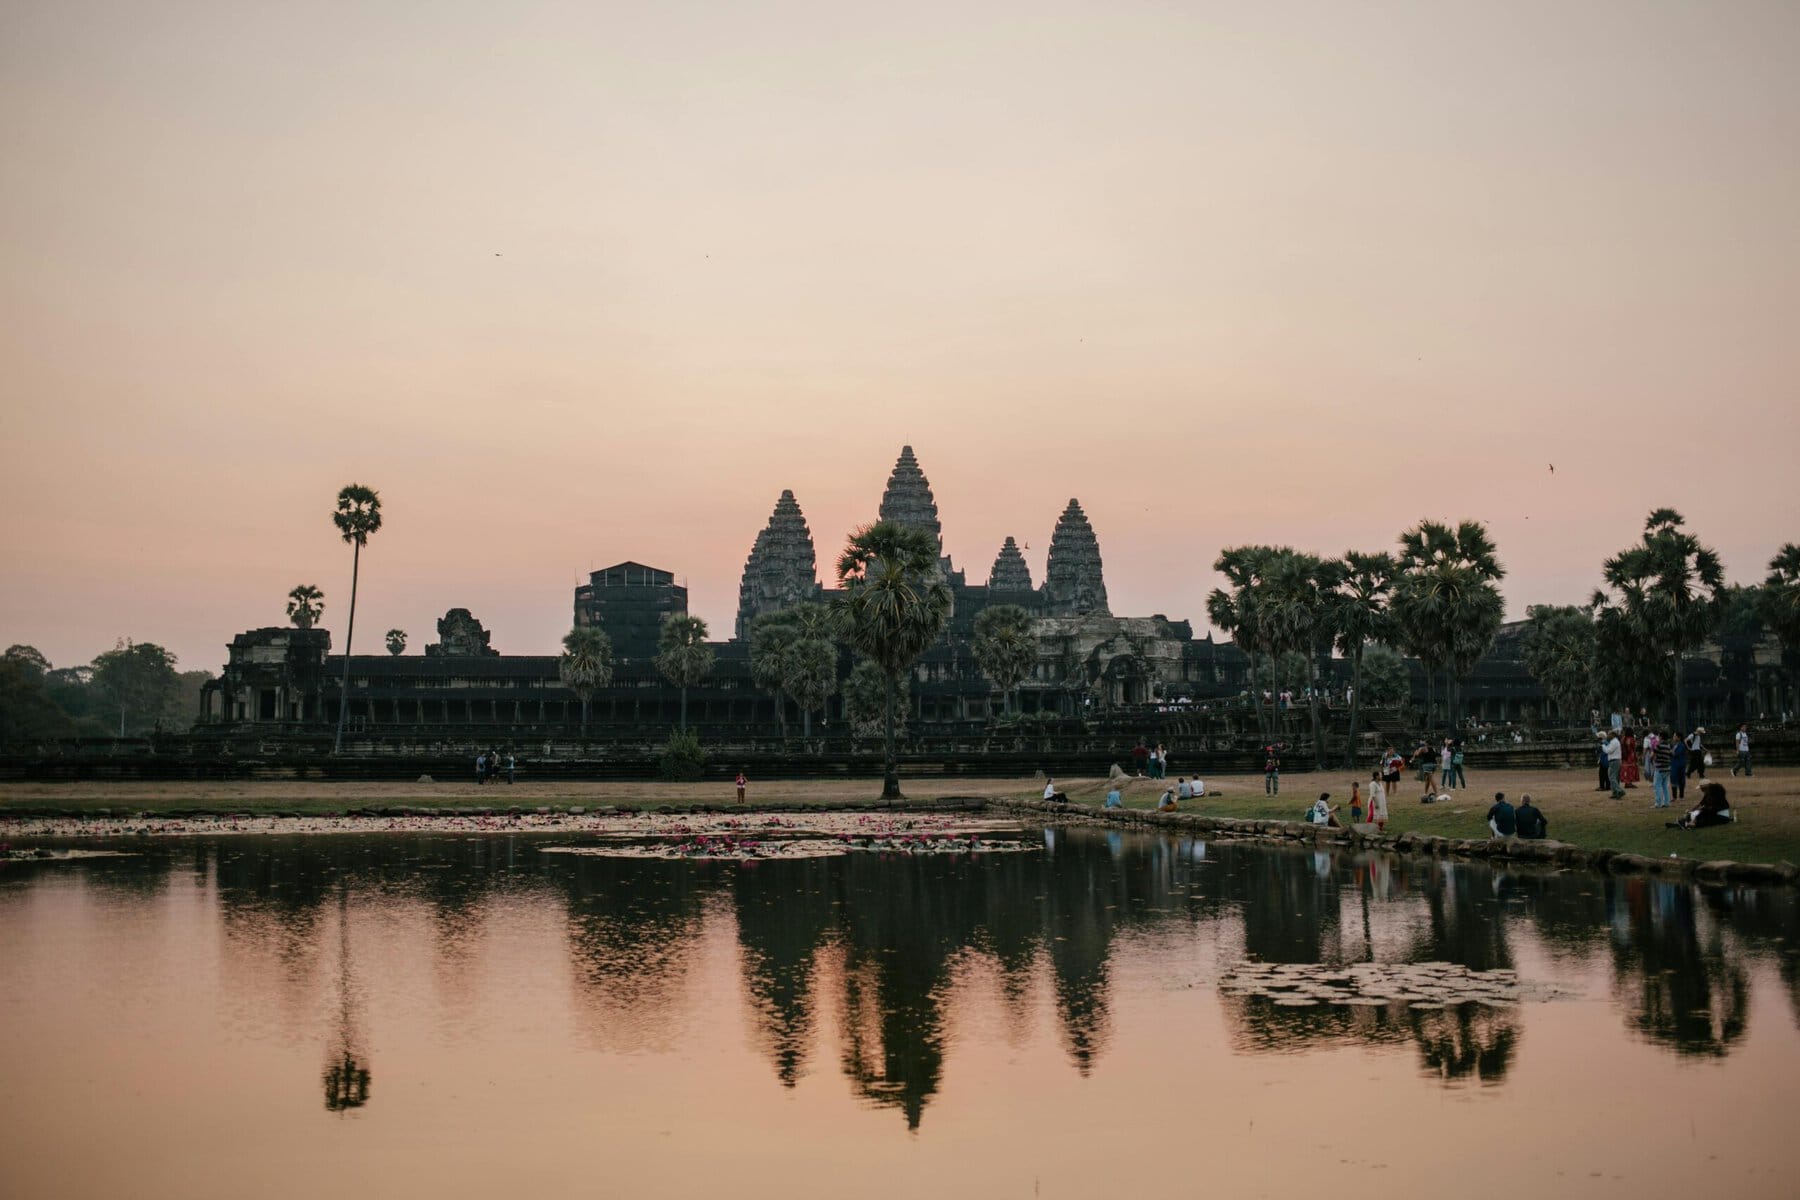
(1600, 754)
(1678, 760)
(741, 781)
(1697, 752)
(1628, 763)
(1661, 760)
(1615, 754)
(1456, 764)
(481, 768)
(1140, 755)
(1743, 751)
(1446, 768)
(512, 768)
(1378, 800)
(1162, 761)
(1272, 773)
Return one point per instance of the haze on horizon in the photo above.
(575, 283)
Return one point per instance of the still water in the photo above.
(377, 1015)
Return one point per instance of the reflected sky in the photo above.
(321, 1009)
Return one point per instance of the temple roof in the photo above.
(1011, 573)
(1074, 580)
(782, 569)
(908, 500)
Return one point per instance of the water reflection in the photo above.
(876, 949)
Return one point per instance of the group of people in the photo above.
(1150, 763)
(1624, 756)
(1526, 821)
(489, 764)
(1441, 766)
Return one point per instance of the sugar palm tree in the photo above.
(586, 664)
(1660, 599)
(812, 677)
(1236, 613)
(1559, 655)
(893, 606)
(396, 641)
(772, 642)
(1446, 602)
(306, 604)
(1780, 605)
(682, 655)
(1362, 618)
(1006, 649)
(357, 518)
(1298, 617)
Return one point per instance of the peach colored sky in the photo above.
(1226, 272)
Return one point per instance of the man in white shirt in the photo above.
(1615, 755)
(1743, 749)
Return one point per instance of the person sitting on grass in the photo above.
(1503, 821)
(1183, 789)
(1167, 802)
(1051, 794)
(1324, 812)
(1531, 820)
(1113, 798)
(1714, 809)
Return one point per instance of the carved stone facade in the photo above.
(1011, 573)
(1074, 582)
(460, 635)
(782, 569)
(908, 500)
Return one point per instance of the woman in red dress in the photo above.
(1628, 767)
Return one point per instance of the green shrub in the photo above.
(683, 757)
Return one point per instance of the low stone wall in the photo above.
(1542, 853)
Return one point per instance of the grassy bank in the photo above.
(1767, 807)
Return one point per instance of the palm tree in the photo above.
(772, 642)
(1661, 599)
(1006, 649)
(586, 664)
(1780, 604)
(1559, 654)
(306, 604)
(893, 606)
(1236, 613)
(812, 677)
(683, 656)
(1446, 604)
(396, 641)
(1363, 617)
(1298, 611)
(357, 517)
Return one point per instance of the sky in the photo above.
(573, 283)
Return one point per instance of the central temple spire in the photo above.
(1074, 584)
(908, 500)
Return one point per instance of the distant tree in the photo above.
(894, 604)
(135, 679)
(586, 664)
(865, 700)
(1299, 617)
(682, 654)
(1661, 598)
(1363, 618)
(1286, 673)
(812, 677)
(396, 642)
(27, 713)
(1446, 603)
(1559, 654)
(357, 518)
(29, 659)
(1780, 606)
(1006, 648)
(306, 604)
(772, 642)
(1235, 611)
(1385, 677)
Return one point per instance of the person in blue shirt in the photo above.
(1114, 800)
(1530, 820)
(1502, 819)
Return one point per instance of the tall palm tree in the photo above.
(357, 518)
(772, 642)
(1236, 612)
(1446, 602)
(1363, 618)
(1006, 649)
(396, 641)
(1660, 599)
(1298, 617)
(682, 655)
(893, 606)
(1780, 605)
(812, 677)
(306, 604)
(586, 664)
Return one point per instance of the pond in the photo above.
(464, 1015)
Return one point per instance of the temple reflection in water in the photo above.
(872, 949)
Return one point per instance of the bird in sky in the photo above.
(1553, 468)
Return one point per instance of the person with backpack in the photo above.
(1456, 764)
(1271, 772)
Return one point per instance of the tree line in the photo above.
(130, 690)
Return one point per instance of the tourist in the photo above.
(1503, 821)
(1743, 751)
(512, 768)
(1714, 809)
(1271, 772)
(1199, 786)
(1356, 811)
(1600, 748)
(1697, 752)
(1678, 761)
(1183, 789)
(741, 781)
(1391, 767)
(1378, 800)
(1426, 763)
(1662, 758)
(1447, 765)
(1140, 754)
(1167, 802)
(1530, 820)
(1323, 812)
(1628, 764)
(1615, 753)
(1113, 798)
(1456, 764)
(1051, 794)
(1162, 761)
(481, 768)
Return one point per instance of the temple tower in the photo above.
(1074, 583)
(782, 569)
(1011, 573)
(908, 500)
